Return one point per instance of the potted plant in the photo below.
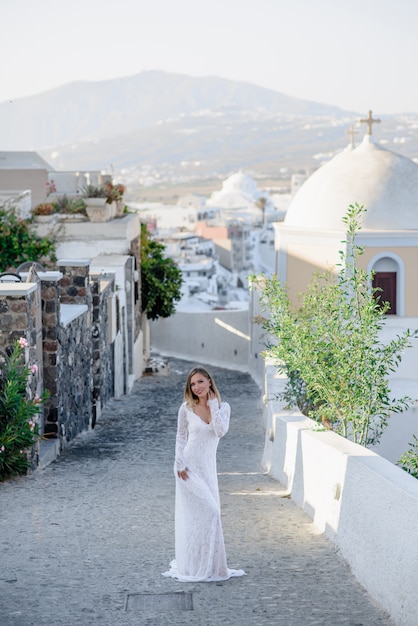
(96, 200)
(114, 194)
(44, 212)
(71, 209)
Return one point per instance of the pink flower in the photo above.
(36, 399)
(23, 343)
(2, 449)
(31, 424)
(34, 368)
(50, 187)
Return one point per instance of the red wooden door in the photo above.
(386, 281)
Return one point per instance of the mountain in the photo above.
(90, 111)
(179, 124)
(218, 141)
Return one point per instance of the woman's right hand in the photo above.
(184, 474)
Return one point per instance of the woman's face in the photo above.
(199, 385)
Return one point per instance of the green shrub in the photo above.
(330, 348)
(161, 279)
(19, 243)
(409, 460)
(64, 204)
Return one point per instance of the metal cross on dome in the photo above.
(370, 120)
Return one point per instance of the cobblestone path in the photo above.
(85, 541)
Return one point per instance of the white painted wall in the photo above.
(90, 249)
(139, 356)
(119, 365)
(20, 200)
(119, 266)
(403, 381)
(218, 338)
(91, 239)
(364, 503)
(401, 427)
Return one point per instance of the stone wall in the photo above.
(20, 318)
(74, 376)
(103, 296)
(74, 285)
(70, 320)
(18, 303)
(51, 352)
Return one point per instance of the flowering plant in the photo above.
(50, 187)
(18, 243)
(19, 411)
(114, 193)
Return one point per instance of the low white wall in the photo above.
(399, 432)
(139, 355)
(218, 338)
(20, 200)
(119, 366)
(364, 503)
(403, 381)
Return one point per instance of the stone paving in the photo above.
(85, 540)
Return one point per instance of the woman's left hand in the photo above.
(184, 474)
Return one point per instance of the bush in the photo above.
(161, 279)
(330, 349)
(18, 412)
(19, 243)
(409, 460)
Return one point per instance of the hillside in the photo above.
(177, 127)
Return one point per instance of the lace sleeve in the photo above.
(220, 416)
(181, 438)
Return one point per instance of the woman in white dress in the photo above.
(199, 544)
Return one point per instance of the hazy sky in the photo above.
(356, 54)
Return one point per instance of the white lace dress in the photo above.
(199, 542)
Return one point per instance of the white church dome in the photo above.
(384, 182)
(240, 183)
(238, 191)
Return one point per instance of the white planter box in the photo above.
(98, 210)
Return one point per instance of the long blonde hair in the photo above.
(189, 396)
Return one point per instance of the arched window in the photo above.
(388, 278)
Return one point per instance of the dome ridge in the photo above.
(385, 182)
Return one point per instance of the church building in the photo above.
(311, 236)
